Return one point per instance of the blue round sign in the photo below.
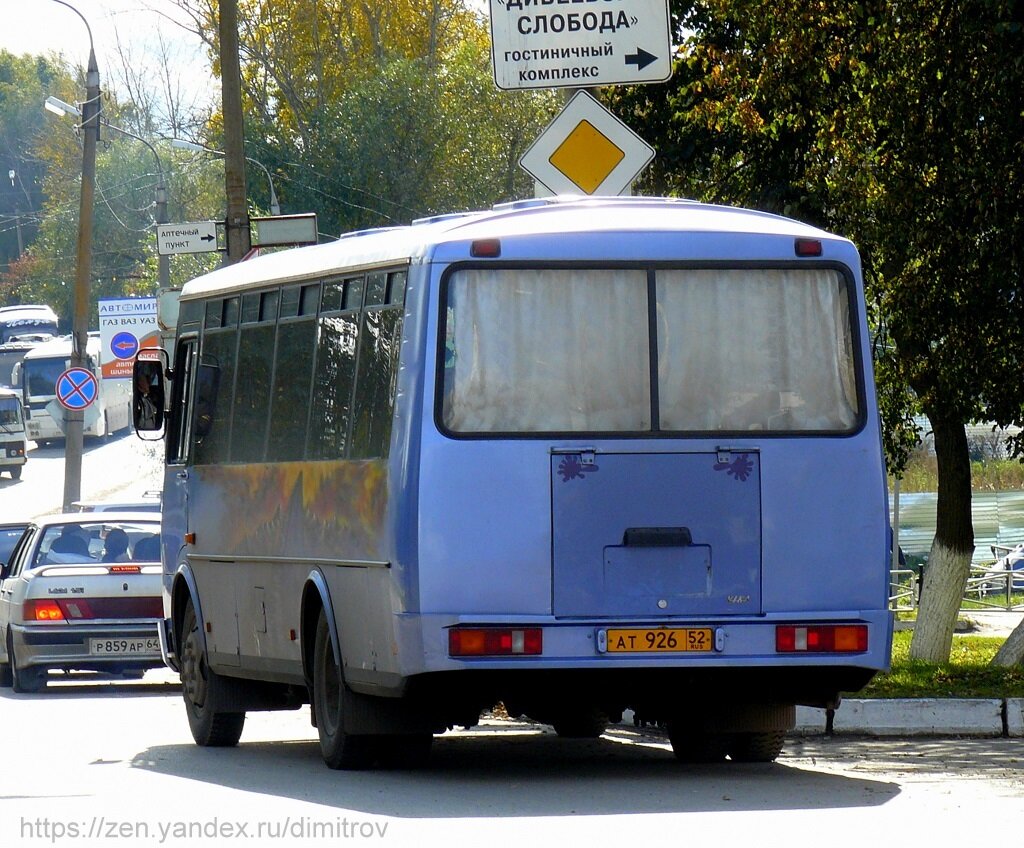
(76, 388)
(124, 345)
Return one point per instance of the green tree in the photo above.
(900, 124)
(25, 81)
(376, 112)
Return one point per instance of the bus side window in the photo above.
(207, 384)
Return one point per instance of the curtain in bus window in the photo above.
(547, 350)
(252, 392)
(333, 380)
(375, 382)
(755, 349)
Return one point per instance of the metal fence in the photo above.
(991, 586)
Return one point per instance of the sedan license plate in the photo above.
(124, 647)
(662, 640)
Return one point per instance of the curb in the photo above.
(984, 717)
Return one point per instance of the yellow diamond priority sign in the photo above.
(586, 149)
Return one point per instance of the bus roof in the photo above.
(27, 312)
(541, 216)
(61, 346)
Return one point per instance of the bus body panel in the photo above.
(735, 533)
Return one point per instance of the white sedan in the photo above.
(81, 593)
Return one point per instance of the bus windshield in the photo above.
(40, 375)
(10, 413)
(532, 350)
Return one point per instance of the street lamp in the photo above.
(90, 114)
(182, 144)
(59, 107)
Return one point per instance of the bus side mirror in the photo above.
(148, 380)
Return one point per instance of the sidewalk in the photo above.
(927, 716)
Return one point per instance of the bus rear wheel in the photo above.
(199, 687)
(757, 747)
(332, 699)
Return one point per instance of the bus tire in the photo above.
(585, 724)
(15, 472)
(24, 680)
(762, 747)
(697, 746)
(199, 685)
(331, 700)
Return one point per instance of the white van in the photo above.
(12, 433)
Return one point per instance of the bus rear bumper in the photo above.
(768, 641)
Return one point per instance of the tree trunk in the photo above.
(949, 562)
(1011, 652)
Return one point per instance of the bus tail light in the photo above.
(807, 247)
(822, 639)
(42, 610)
(494, 641)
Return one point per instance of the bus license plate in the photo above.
(105, 647)
(660, 640)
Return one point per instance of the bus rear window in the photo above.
(571, 350)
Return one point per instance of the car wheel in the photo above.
(200, 686)
(15, 472)
(5, 672)
(332, 699)
(24, 680)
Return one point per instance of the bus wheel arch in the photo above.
(183, 592)
(201, 689)
(315, 597)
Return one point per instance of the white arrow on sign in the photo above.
(579, 43)
(196, 237)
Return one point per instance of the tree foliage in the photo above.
(900, 124)
(375, 112)
(124, 259)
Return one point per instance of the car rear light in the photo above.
(44, 610)
(125, 569)
(822, 639)
(494, 641)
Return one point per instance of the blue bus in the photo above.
(571, 455)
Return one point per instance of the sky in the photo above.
(42, 26)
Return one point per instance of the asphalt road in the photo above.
(123, 466)
(92, 764)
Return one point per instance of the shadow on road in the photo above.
(517, 771)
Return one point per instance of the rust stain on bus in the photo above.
(299, 507)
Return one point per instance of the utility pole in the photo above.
(80, 319)
(237, 223)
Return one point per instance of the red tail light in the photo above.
(494, 641)
(125, 569)
(42, 611)
(822, 639)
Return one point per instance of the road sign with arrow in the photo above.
(197, 237)
(579, 43)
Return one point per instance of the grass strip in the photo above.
(966, 675)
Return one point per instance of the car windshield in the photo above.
(95, 541)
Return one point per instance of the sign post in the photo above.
(549, 44)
